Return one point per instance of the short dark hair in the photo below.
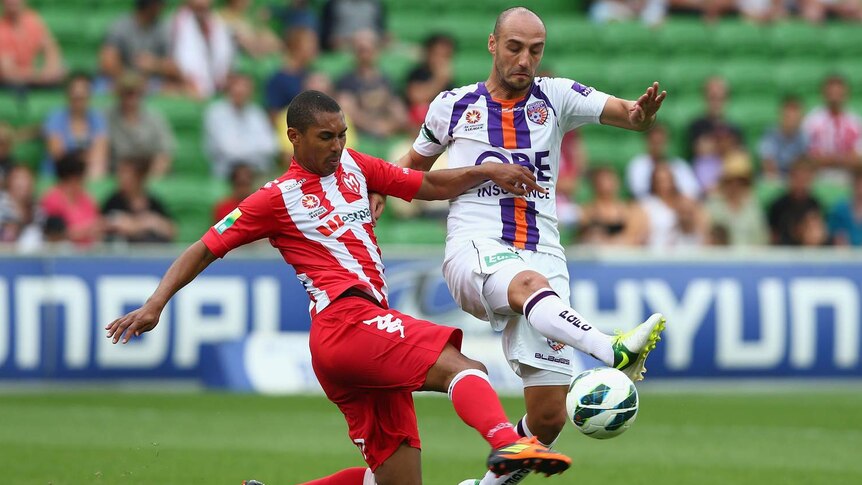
(302, 111)
(439, 38)
(509, 11)
(71, 164)
(791, 100)
(835, 78)
(144, 4)
(76, 76)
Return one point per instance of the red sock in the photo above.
(350, 476)
(478, 405)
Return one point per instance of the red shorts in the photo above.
(369, 360)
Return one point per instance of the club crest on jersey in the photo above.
(555, 346)
(351, 182)
(473, 116)
(537, 112)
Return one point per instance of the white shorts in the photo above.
(467, 268)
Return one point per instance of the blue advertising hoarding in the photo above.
(733, 318)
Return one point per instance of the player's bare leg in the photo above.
(546, 412)
(403, 467)
(530, 293)
(476, 403)
(349, 476)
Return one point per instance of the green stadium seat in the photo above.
(754, 115)
(679, 110)
(571, 37)
(767, 191)
(101, 189)
(749, 76)
(630, 38)
(411, 231)
(30, 153)
(181, 112)
(397, 66)
(259, 69)
(802, 78)
(471, 68)
(190, 201)
(189, 158)
(684, 76)
(735, 39)
(685, 38)
(830, 193)
(632, 76)
(334, 65)
(40, 103)
(590, 71)
(794, 39)
(12, 108)
(844, 41)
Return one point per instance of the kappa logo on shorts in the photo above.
(387, 322)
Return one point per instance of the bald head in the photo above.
(513, 16)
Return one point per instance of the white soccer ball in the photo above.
(602, 403)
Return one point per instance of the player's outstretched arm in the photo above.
(411, 159)
(183, 270)
(450, 183)
(638, 115)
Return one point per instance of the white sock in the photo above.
(556, 320)
(369, 477)
(518, 475)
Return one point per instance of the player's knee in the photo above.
(470, 364)
(523, 285)
(548, 424)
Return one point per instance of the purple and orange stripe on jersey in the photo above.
(507, 122)
(461, 106)
(519, 223)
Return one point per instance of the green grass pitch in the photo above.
(98, 437)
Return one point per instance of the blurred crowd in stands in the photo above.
(702, 196)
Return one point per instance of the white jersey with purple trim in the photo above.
(477, 128)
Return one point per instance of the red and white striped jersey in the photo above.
(321, 225)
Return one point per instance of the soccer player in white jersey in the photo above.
(504, 262)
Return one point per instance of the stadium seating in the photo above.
(760, 63)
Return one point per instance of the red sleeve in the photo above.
(252, 220)
(388, 179)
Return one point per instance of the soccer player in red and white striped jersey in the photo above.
(368, 357)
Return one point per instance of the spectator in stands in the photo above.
(69, 200)
(286, 83)
(734, 208)
(294, 14)
(21, 220)
(817, 11)
(7, 161)
(343, 19)
(650, 12)
(845, 219)
(137, 132)
(140, 41)
(78, 127)
(787, 210)
(430, 77)
(24, 38)
(250, 34)
(834, 133)
(715, 93)
(131, 213)
(673, 219)
(202, 47)
(367, 95)
(640, 168)
(237, 130)
(573, 162)
(786, 143)
(242, 185)
(609, 220)
(712, 151)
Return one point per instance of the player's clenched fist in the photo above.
(515, 179)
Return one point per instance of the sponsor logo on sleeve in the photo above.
(228, 221)
(581, 89)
